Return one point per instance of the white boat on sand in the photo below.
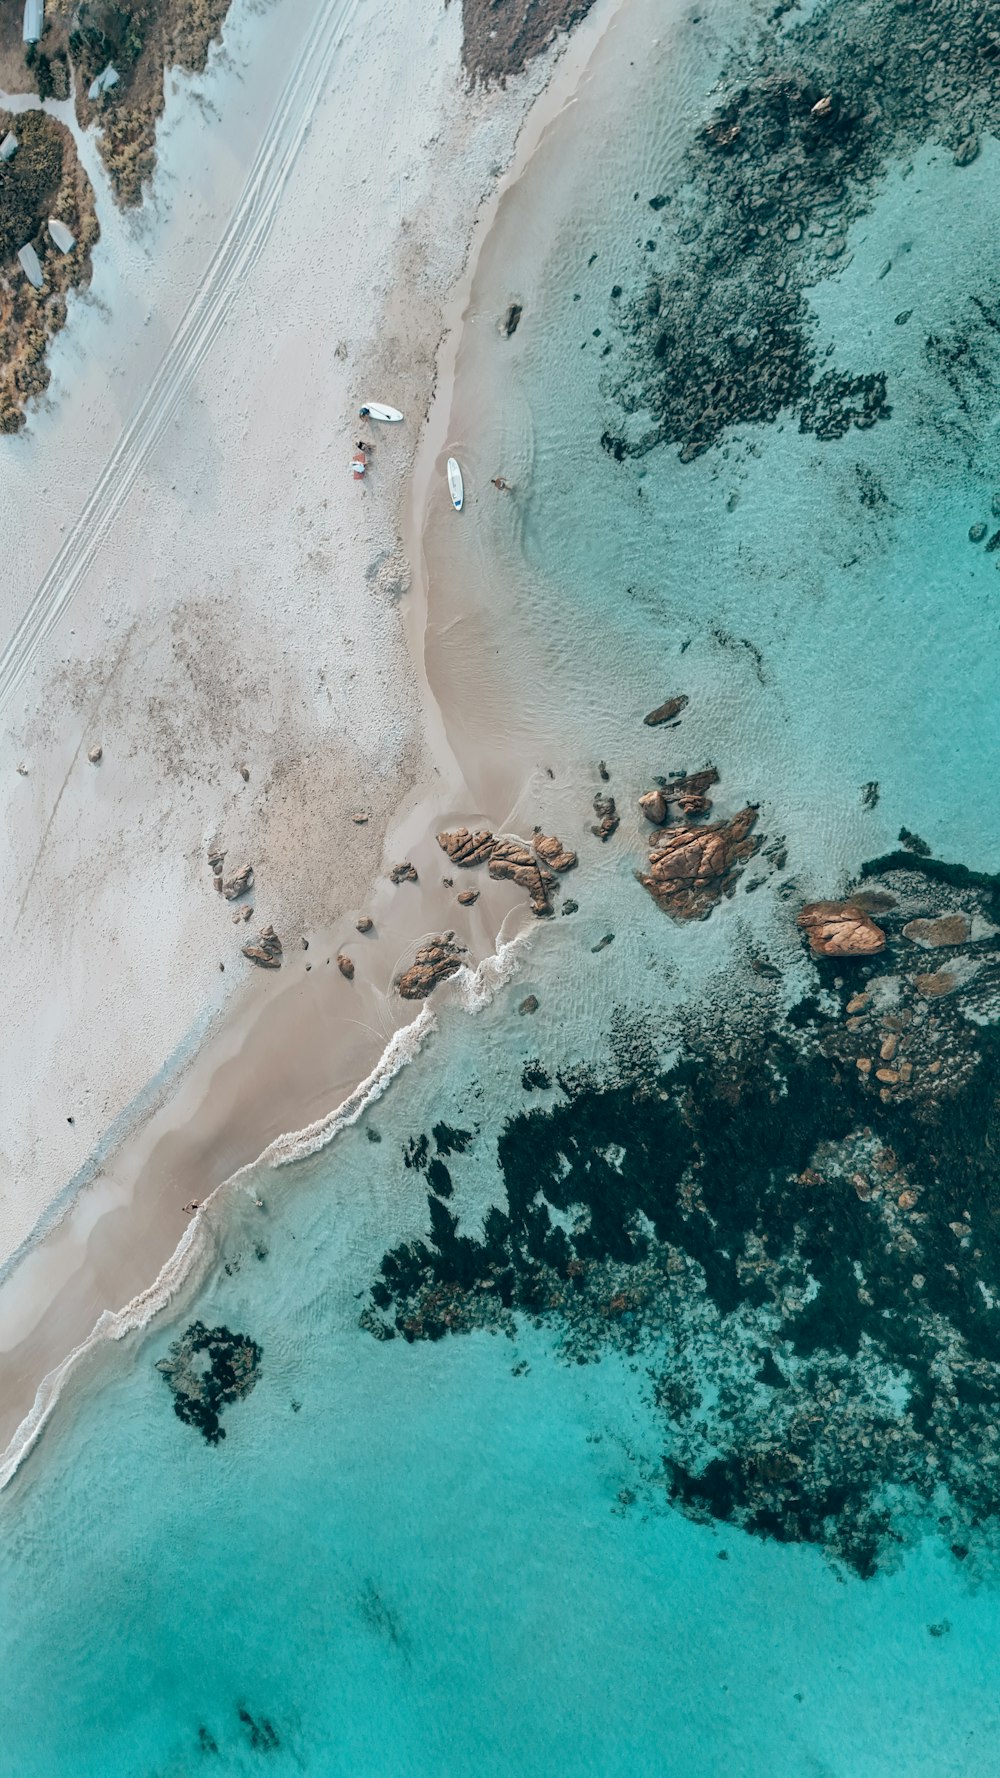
(456, 486)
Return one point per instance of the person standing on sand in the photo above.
(497, 481)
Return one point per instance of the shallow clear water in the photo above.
(441, 1562)
(458, 1557)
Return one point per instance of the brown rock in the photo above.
(906, 1200)
(689, 792)
(529, 1005)
(266, 953)
(654, 806)
(95, 754)
(403, 873)
(933, 986)
(239, 884)
(468, 897)
(242, 914)
(840, 929)
(216, 861)
(345, 966)
(359, 818)
(512, 862)
(365, 924)
(552, 852)
(245, 774)
(691, 868)
(666, 712)
(947, 929)
(433, 963)
(465, 848)
(608, 818)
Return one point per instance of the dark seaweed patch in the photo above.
(807, 1228)
(206, 1369)
(722, 333)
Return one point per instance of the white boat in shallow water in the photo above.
(456, 486)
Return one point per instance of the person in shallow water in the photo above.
(497, 481)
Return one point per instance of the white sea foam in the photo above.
(477, 987)
(193, 1252)
(402, 1047)
(197, 1247)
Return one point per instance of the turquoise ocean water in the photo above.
(438, 1559)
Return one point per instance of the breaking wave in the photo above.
(197, 1248)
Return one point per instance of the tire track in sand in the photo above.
(243, 241)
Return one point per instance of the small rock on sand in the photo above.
(345, 966)
(468, 898)
(530, 1004)
(238, 884)
(95, 754)
(403, 873)
(364, 924)
(266, 953)
(359, 817)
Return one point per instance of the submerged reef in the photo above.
(206, 1369)
(799, 1233)
(799, 140)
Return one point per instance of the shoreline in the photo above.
(434, 798)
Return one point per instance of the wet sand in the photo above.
(293, 1046)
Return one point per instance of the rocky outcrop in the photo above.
(691, 868)
(206, 1369)
(266, 953)
(654, 807)
(238, 884)
(840, 929)
(403, 873)
(553, 853)
(666, 712)
(608, 818)
(947, 929)
(511, 862)
(465, 848)
(686, 794)
(435, 961)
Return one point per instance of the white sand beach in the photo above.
(203, 593)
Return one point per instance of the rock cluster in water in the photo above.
(840, 929)
(691, 868)
(533, 868)
(207, 1369)
(796, 1233)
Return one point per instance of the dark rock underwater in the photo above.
(716, 330)
(798, 1234)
